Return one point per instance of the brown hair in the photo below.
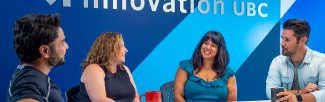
(222, 58)
(104, 50)
(300, 28)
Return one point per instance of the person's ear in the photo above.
(304, 40)
(45, 51)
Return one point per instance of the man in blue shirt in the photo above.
(299, 70)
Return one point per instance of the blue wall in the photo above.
(313, 12)
(252, 74)
(158, 40)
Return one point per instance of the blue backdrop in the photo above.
(158, 40)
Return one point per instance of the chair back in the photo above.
(167, 92)
(71, 94)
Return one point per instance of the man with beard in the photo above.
(299, 70)
(39, 42)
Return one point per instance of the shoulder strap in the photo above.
(105, 70)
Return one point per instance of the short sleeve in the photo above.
(187, 65)
(228, 73)
(27, 87)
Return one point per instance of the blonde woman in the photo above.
(105, 78)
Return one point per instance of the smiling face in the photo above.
(121, 53)
(209, 50)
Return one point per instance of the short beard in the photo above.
(286, 52)
(54, 59)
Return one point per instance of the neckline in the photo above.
(203, 79)
(110, 72)
(33, 68)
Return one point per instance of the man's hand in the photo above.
(287, 97)
(310, 87)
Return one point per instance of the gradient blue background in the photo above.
(157, 41)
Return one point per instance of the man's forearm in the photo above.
(308, 97)
(293, 91)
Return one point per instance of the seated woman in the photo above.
(104, 76)
(206, 76)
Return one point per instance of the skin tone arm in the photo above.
(93, 78)
(179, 83)
(136, 99)
(232, 89)
(28, 100)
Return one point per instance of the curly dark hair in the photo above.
(221, 59)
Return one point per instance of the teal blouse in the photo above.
(198, 90)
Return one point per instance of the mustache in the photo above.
(284, 48)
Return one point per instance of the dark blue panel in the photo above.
(142, 31)
(251, 76)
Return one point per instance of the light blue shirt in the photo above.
(311, 70)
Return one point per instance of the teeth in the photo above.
(207, 52)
